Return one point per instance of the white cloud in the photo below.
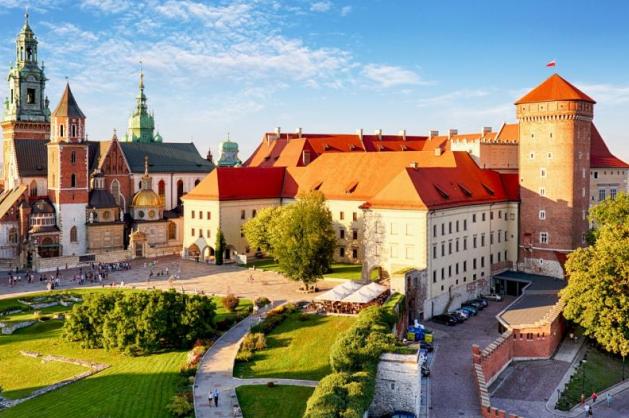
(607, 94)
(451, 97)
(345, 10)
(391, 76)
(321, 6)
(107, 6)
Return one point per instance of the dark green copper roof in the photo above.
(165, 157)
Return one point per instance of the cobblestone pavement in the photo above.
(194, 276)
(452, 390)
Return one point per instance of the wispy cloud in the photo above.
(391, 76)
(451, 97)
(607, 94)
(345, 10)
(321, 6)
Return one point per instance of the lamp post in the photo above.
(583, 362)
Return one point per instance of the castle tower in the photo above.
(554, 169)
(142, 123)
(68, 181)
(26, 114)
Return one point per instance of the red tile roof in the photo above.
(600, 157)
(509, 132)
(554, 88)
(239, 183)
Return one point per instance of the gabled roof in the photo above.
(11, 198)
(239, 183)
(509, 132)
(67, 105)
(554, 88)
(165, 157)
(32, 157)
(600, 157)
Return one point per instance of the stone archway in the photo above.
(208, 253)
(376, 274)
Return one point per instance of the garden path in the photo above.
(216, 371)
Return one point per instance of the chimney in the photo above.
(432, 133)
(298, 132)
(378, 133)
(359, 132)
(305, 157)
(486, 130)
(402, 133)
(453, 132)
(438, 151)
(278, 132)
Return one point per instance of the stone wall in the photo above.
(398, 385)
(113, 256)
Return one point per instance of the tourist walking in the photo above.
(609, 399)
(594, 397)
(210, 397)
(216, 397)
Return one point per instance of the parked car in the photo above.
(425, 370)
(493, 296)
(463, 312)
(458, 315)
(472, 310)
(482, 301)
(426, 346)
(445, 320)
(479, 306)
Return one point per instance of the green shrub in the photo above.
(225, 323)
(254, 342)
(230, 302)
(244, 356)
(270, 384)
(262, 302)
(180, 405)
(305, 317)
(341, 395)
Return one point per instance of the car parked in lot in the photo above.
(445, 320)
(479, 306)
(458, 315)
(470, 309)
(463, 312)
(482, 301)
(492, 296)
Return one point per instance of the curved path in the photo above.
(216, 371)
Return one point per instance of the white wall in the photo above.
(69, 215)
(170, 183)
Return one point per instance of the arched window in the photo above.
(73, 156)
(61, 131)
(179, 191)
(73, 180)
(172, 230)
(115, 191)
(140, 185)
(33, 188)
(161, 191)
(197, 181)
(13, 236)
(73, 234)
(73, 130)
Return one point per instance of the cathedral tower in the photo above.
(68, 186)
(142, 123)
(554, 170)
(26, 114)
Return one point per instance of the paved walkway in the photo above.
(216, 372)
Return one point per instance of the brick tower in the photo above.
(25, 111)
(554, 169)
(68, 186)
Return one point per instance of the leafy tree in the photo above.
(300, 237)
(220, 247)
(597, 294)
(258, 230)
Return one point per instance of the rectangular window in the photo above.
(482, 240)
(434, 230)
(542, 191)
(457, 226)
(474, 264)
(341, 215)
(474, 242)
(449, 227)
(482, 262)
(499, 236)
(192, 214)
(474, 218)
(543, 237)
(542, 214)
(449, 271)
(342, 233)
(456, 246)
(499, 257)
(30, 96)
(341, 252)
(464, 243)
(506, 236)
(354, 216)
(192, 232)
(253, 213)
(505, 255)
(434, 251)
(464, 266)
(449, 247)
(434, 276)
(483, 216)
(601, 195)
(243, 215)
(443, 249)
(491, 259)
(596, 174)
(542, 172)
(443, 273)
(208, 233)
(443, 229)
(491, 238)
(209, 215)
(612, 193)
(465, 224)
(491, 215)
(499, 214)
(200, 233)
(456, 268)
(354, 253)
(354, 234)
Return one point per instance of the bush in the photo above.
(244, 356)
(254, 342)
(180, 405)
(270, 384)
(140, 322)
(305, 316)
(341, 395)
(262, 302)
(224, 324)
(230, 302)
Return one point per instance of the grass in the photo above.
(130, 387)
(601, 371)
(260, 401)
(338, 270)
(297, 349)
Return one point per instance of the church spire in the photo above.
(141, 123)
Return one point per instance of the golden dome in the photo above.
(146, 199)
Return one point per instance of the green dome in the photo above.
(229, 146)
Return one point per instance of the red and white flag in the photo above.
(552, 63)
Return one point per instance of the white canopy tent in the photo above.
(339, 292)
(366, 293)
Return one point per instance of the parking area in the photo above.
(452, 390)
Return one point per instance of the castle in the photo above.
(459, 209)
(67, 198)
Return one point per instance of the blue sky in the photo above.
(246, 67)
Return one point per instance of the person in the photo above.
(594, 397)
(587, 409)
(210, 397)
(216, 397)
(590, 411)
(609, 399)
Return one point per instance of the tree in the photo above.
(597, 294)
(257, 230)
(220, 247)
(301, 238)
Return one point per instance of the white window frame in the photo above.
(544, 238)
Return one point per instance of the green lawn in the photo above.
(339, 271)
(260, 401)
(131, 387)
(601, 372)
(297, 349)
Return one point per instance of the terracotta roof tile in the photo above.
(68, 106)
(600, 157)
(239, 183)
(554, 88)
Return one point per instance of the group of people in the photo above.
(589, 411)
(212, 397)
(97, 272)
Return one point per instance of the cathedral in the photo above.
(67, 198)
